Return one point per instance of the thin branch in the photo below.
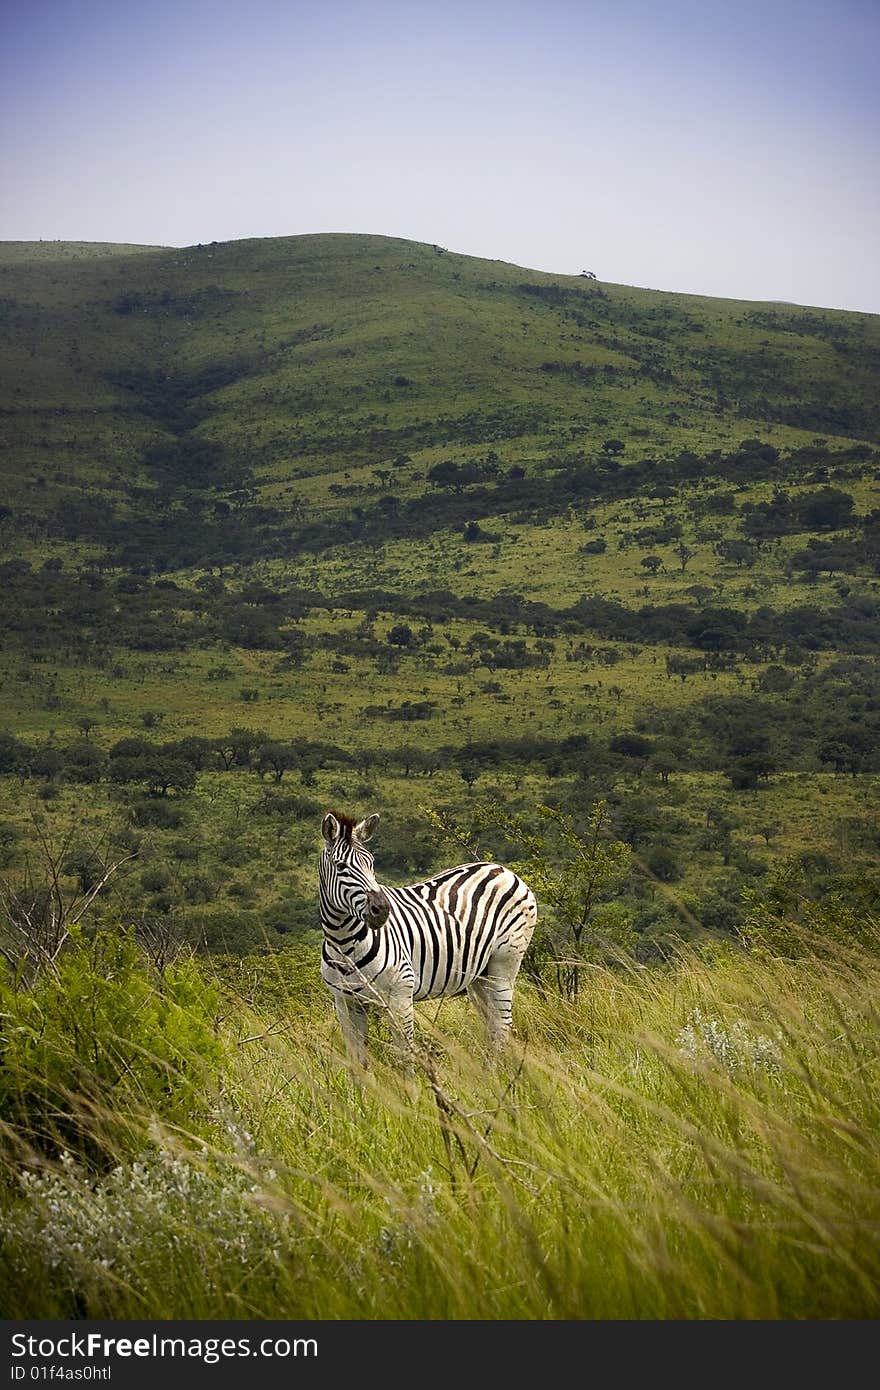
(96, 888)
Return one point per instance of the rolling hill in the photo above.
(310, 353)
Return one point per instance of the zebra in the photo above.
(466, 929)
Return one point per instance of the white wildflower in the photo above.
(412, 1219)
(733, 1045)
(127, 1220)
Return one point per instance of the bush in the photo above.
(209, 1213)
(235, 853)
(105, 1040)
(663, 864)
(154, 880)
(158, 813)
(200, 888)
(781, 918)
(292, 917)
(10, 835)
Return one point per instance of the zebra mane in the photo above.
(346, 825)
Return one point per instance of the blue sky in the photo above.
(715, 148)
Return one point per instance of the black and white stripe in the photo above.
(466, 929)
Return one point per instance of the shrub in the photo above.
(154, 880)
(103, 1040)
(663, 864)
(209, 1213)
(158, 813)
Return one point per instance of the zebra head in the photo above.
(349, 890)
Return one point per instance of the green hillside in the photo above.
(355, 520)
(297, 354)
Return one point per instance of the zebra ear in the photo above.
(330, 829)
(363, 831)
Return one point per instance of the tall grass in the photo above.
(696, 1141)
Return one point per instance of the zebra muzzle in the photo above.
(377, 910)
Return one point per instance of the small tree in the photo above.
(39, 915)
(748, 769)
(572, 874)
(163, 774)
(276, 758)
(663, 864)
(470, 772)
(401, 635)
(683, 666)
(664, 764)
(737, 552)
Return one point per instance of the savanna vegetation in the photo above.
(572, 574)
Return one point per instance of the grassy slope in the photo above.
(317, 328)
(294, 353)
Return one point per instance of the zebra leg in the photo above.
(354, 1023)
(400, 1013)
(399, 1004)
(492, 995)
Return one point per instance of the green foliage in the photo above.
(784, 918)
(156, 811)
(100, 1040)
(401, 635)
(663, 864)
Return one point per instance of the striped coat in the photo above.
(466, 929)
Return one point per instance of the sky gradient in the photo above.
(714, 148)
